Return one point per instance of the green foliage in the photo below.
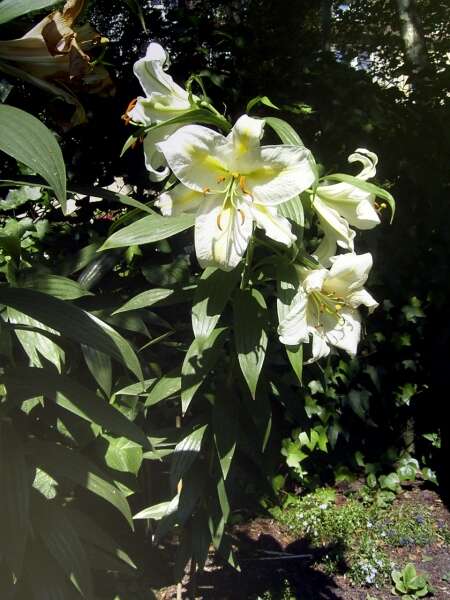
(408, 584)
(349, 529)
(27, 140)
(11, 9)
(111, 386)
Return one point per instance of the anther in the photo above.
(206, 190)
(242, 185)
(130, 107)
(221, 179)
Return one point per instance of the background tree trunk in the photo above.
(413, 40)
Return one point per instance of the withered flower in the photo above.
(53, 55)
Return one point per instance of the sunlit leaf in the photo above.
(148, 230)
(72, 322)
(11, 9)
(250, 335)
(23, 383)
(26, 139)
(198, 361)
(59, 461)
(285, 132)
(185, 453)
(211, 296)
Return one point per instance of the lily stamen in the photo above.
(125, 117)
(242, 186)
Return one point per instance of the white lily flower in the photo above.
(325, 306)
(164, 100)
(341, 205)
(232, 182)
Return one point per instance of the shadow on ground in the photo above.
(267, 565)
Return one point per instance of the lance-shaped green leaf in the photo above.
(293, 210)
(59, 461)
(199, 360)
(16, 481)
(250, 336)
(167, 386)
(185, 453)
(219, 511)
(211, 296)
(11, 9)
(61, 540)
(285, 132)
(145, 299)
(35, 344)
(136, 389)
(260, 100)
(287, 285)
(26, 139)
(159, 511)
(72, 322)
(149, 230)
(54, 285)
(225, 429)
(23, 383)
(44, 578)
(90, 532)
(99, 365)
(367, 187)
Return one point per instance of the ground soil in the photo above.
(258, 541)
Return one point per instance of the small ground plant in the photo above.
(359, 536)
(408, 584)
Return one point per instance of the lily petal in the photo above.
(222, 234)
(196, 155)
(369, 161)
(283, 173)
(245, 139)
(327, 247)
(331, 220)
(348, 273)
(320, 348)
(275, 226)
(152, 76)
(345, 332)
(157, 108)
(356, 206)
(293, 329)
(154, 159)
(313, 282)
(179, 199)
(362, 297)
